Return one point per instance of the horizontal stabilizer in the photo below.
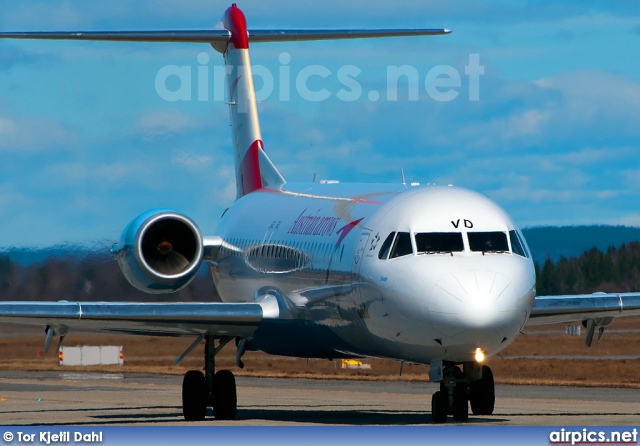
(296, 35)
(222, 35)
(203, 36)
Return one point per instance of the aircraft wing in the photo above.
(582, 307)
(157, 319)
(594, 310)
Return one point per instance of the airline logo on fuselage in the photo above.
(313, 225)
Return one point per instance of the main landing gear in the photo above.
(473, 384)
(211, 389)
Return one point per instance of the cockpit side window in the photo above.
(516, 246)
(402, 245)
(434, 242)
(386, 247)
(523, 243)
(488, 241)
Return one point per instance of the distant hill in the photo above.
(571, 241)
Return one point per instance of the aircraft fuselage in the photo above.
(320, 249)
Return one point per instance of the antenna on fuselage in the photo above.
(404, 182)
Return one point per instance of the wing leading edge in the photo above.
(168, 319)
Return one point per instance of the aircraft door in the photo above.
(358, 259)
(359, 254)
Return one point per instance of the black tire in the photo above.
(225, 400)
(439, 407)
(460, 403)
(482, 393)
(194, 396)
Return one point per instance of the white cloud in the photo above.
(592, 97)
(10, 199)
(632, 178)
(521, 189)
(601, 20)
(7, 129)
(553, 196)
(348, 149)
(565, 111)
(546, 165)
(33, 134)
(43, 14)
(627, 220)
(509, 131)
(77, 173)
(227, 194)
(594, 156)
(192, 161)
(607, 194)
(515, 189)
(529, 122)
(165, 123)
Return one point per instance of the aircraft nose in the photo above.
(476, 306)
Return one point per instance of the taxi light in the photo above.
(479, 355)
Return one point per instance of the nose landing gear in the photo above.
(474, 384)
(482, 394)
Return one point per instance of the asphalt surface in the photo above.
(64, 398)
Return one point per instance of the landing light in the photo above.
(479, 355)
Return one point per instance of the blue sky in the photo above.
(87, 143)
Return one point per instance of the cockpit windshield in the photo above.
(439, 242)
(488, 241)
(398, 244)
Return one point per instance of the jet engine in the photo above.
(160, 251)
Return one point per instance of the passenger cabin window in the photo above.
(386, 247)
(402, 245)
(435, 242)
(516, 246)
(488, 241)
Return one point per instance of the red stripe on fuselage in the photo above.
(235, 21)
(346, 229)
(250, 169)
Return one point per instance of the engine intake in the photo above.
(160, 251)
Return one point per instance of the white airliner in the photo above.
(429, 275)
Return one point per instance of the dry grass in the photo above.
(156, 355)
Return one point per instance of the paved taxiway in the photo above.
(41, 398)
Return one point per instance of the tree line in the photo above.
(97, 277)
(615, 270)
(91, 278)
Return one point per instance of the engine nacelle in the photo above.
(160, 251)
